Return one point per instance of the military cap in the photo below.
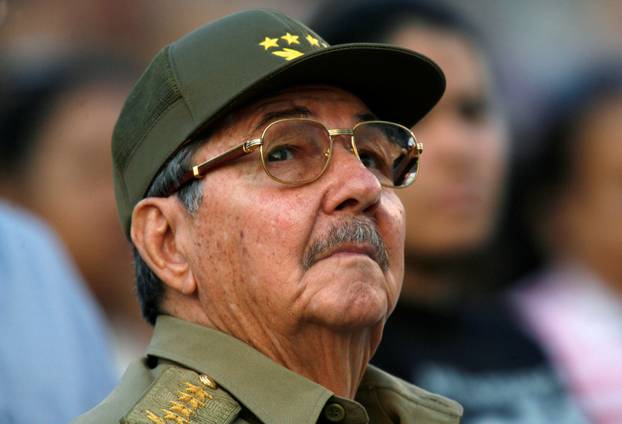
(197, 79)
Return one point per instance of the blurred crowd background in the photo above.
(535, 43)
(513, 295)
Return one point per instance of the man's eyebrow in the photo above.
(293, 112)
(366, 116)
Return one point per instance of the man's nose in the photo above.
(352, 187)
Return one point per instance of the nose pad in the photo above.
(346, 141)
(348, 146)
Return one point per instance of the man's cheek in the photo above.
(282, 216)
(394, 220)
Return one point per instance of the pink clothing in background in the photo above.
(578, 321)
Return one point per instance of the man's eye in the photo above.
(281, 153)
(370, 160)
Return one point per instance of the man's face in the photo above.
(452, 207)
(252, 241)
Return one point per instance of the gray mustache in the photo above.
(354, 230)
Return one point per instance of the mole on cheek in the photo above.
(243, 245)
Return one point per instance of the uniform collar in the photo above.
(272, 392)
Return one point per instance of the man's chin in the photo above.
(350, 324)
(361, 307)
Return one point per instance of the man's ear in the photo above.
(158, 230)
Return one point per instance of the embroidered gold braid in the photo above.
(179, 412)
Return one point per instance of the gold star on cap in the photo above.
(291, 39)
(312, 40)
(269, 42)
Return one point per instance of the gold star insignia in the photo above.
(291, 39)
(312, 40)
(287, 54)
(269, 42)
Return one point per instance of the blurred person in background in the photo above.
(56, 119)
(570, 194)
(52, 331)
(35, 27)
(445, 335)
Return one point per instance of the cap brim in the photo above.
(395, 83)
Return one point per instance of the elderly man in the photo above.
(256, 181)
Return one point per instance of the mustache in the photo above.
(353, 230)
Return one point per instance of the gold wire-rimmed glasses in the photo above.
(297, 151)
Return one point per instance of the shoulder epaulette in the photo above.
(182, 396)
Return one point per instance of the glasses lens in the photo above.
(295, 151)
(388, 150)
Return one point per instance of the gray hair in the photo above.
(149, 287)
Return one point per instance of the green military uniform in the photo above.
(194, 374)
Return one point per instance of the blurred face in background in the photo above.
(69, 184)
(587, 217)
(452, 208)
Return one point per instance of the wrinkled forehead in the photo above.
(307, 101)
(320, 94)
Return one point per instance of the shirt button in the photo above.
(208, 381)
(334, 412)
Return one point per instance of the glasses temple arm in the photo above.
(199, 171)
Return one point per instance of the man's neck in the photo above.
(336, 360)
(333, 358)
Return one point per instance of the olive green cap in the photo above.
(226, 63)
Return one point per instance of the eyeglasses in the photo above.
(297, 151)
